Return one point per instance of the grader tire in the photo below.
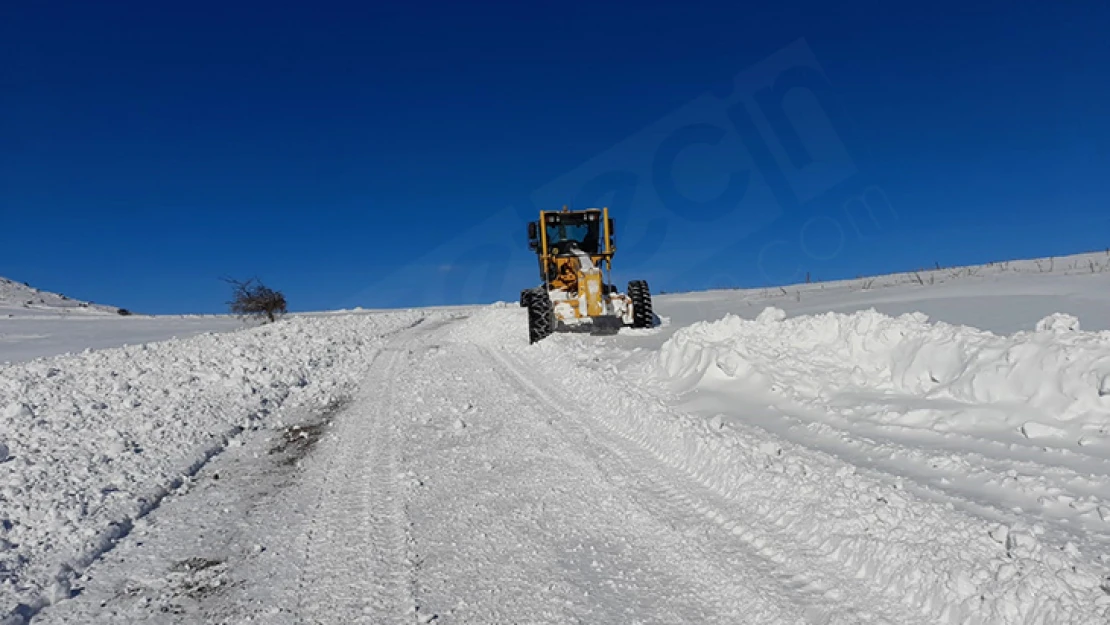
(642, 314)
(541, 317)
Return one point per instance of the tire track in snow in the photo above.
(357, 566)
(556, 536)
(1003, 476)
(987, 478)
(802, 576)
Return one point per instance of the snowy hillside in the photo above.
(36, 324)
(1076, 264)
(1001, 297)
(20, 299)
(920, 448)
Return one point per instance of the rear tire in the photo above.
(541, 316)
(642, 314)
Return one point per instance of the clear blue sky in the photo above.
(341, 151)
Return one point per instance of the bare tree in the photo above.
(251, 297)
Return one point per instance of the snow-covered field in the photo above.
(27, 338)
(920, 448)
(39, 324)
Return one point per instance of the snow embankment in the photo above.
(1049, 383)
(89, 443)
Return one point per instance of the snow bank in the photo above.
(90, 442)
(1052, 381)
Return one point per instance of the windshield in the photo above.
(564, 229)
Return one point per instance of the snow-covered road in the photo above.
(467, 477)
(456, 486)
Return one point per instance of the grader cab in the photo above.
(575, 252)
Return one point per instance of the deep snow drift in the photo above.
(1050, 383)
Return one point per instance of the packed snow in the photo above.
(931, 447)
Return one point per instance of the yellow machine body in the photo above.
(575, 252)
(575, 275)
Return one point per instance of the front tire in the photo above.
(642, 314)
(541, 316)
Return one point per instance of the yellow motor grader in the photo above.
(575, 250)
